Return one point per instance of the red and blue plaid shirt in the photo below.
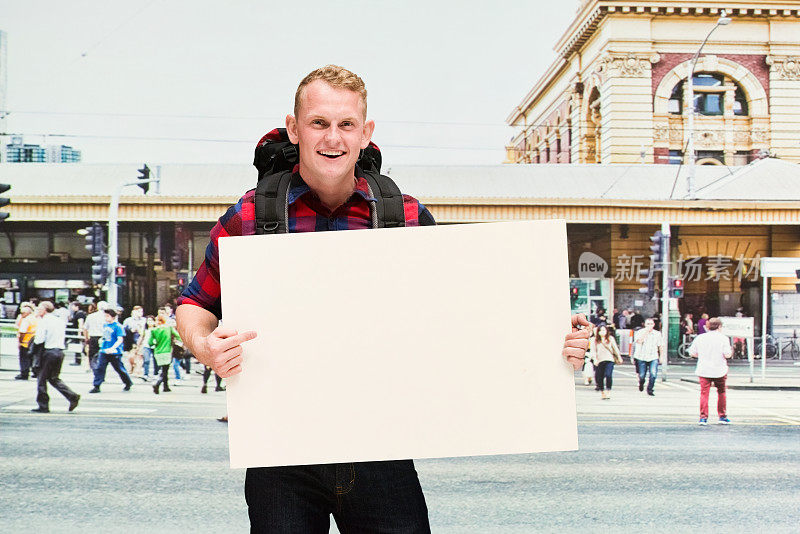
(306, 214)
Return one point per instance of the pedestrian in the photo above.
(636, 320)
(76, 319)
(36, 347)
(134, 327)
(93, 329)
(701, 324)
(51, 334)
(712, 350)
(328, 191)
(649, 346)
(111, 353)
(622, 321)
(26, 329)
(206, 375)
(605, 354)
(61, 312)
(162, 339)
(146, 350)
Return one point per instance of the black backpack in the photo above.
(275, 158)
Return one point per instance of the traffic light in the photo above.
(658, 249)
(676, 288)
(648, 284)
(573, 294)
(4, 201)
(100, 269)
(95, 239)
(797, 286)
(95, 244)
(119, 275)
(144, 174)
(182, 278)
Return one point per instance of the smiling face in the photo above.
(330, 129)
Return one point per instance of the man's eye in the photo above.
(319, 122)
(347, 124)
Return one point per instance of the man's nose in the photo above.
(333, 134)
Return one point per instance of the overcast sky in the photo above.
(168, 81)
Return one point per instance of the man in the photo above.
(328, 192)
(111, 352)
(93, 331)
(622, 321)
(648, 348)
(26, 329)
(133, 328)
(636, 321)
(712, 350)
(76, 319)
(61, 312)
(50, 332)
(169, 313)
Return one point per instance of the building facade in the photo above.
(616, 92)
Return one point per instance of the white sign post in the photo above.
(742, 327)
(399, 343)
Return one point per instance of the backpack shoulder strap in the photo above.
(270, 203)
(389, 207)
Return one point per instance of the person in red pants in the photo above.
(712, 350)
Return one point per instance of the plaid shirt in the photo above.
(306, 214)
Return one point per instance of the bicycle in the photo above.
(790, 346)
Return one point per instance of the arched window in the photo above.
(710, 93)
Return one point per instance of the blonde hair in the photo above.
(337, 77)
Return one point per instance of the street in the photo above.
(135, 462)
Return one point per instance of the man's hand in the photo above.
(576, 343)
(223, 350)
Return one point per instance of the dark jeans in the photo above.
(115, 360)
(643, 367)
(94, 348)
(603, 370)
(50, 368)
(365, 497)
(207, 375)
(164, 378)
(25, 360)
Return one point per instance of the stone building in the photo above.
(616, 91)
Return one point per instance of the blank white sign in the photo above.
(399, 343)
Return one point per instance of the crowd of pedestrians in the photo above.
(710, 347)
(135, 346)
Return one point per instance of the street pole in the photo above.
(690, 163)
(113, 241)
(665, 268)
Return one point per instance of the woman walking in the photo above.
(162, 338)
(605, 354)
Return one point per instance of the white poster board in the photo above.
(399, 343)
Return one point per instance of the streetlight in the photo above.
(723, 20)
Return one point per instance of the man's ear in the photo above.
(291, 129)
(366, 135)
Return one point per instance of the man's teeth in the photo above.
(331, 153)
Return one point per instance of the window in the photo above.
(739, 102)
(710, 92)
(708, 103)
(708, 80)
(675, 104)
(675, 157)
